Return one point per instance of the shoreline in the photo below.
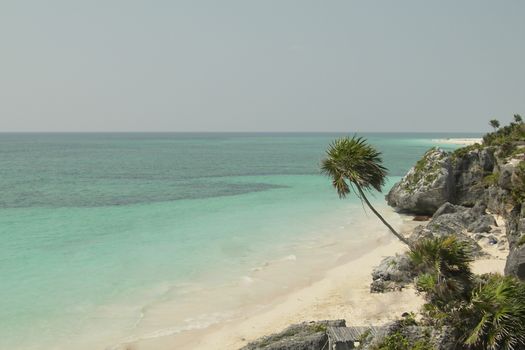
(341, 291)
(459, 141)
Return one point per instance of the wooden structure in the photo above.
(344, 338)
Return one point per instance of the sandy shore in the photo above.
(342, 292)
(463, 141)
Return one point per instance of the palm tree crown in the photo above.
(354, 160)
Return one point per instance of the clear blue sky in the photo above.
(268, 65)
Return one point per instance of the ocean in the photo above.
(107, 238)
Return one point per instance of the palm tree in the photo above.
(494, 123)
(356, 166)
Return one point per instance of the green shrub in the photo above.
(518, 190)
(395, 341)
(511, 133)
(443, 264)
(422, 345)
(495, 316)
(461, 152)
(507, 148)
(521, 241)
(491, 179)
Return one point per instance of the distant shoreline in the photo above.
(459, 141)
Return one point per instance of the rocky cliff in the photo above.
(458, 187)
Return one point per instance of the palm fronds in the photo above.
(355, 161)
(443, 264)
(497, 314)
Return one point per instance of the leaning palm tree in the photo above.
(355, 166)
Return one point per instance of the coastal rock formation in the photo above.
(470, 168)
(457, 188)
(393, 273)
(441, 177)
(428, 185)
(302, 336)
(458, 220)
(468, 224)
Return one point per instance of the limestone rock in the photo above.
(505, 177)
(469, 171)
(516, 262)
(426, 186)
(393, 273)
(483, 224)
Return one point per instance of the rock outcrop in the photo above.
(446, 185)
(393, 273)
(515, 225)
(441, 177)
(302, 336)
(428, 185)
(516, 262)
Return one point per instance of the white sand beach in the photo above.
(459, 141)
(342, 292)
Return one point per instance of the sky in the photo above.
(267, 65)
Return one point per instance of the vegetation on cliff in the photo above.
(476, 311)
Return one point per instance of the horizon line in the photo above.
(236, 132)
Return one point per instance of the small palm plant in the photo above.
(495, 317)
(443, 264)
(355, 166)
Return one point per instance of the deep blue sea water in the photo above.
(96, 227)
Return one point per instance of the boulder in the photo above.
(393, 273)
(428, 185)
(447, 208)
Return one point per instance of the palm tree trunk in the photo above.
(397, 234)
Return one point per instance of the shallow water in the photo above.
(97, 231)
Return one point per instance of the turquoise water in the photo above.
(88, 221)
